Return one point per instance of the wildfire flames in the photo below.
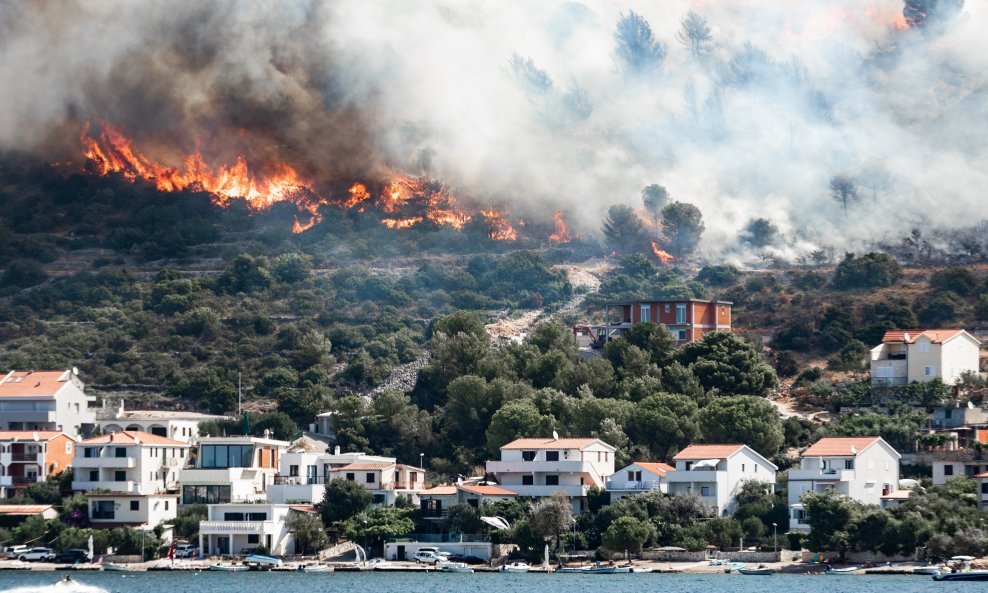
(562, 231)
(111, 151)
(663, 256)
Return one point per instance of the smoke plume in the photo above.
(539, 105)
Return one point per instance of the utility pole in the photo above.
(775, 539)
(240, 396)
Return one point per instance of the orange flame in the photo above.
(663, 256)
(562, 231)
(112, 152)
(498, 227)
(358, 193)
(401, 223)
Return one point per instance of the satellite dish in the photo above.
(854, 450)
(75, 370)
(555, 435)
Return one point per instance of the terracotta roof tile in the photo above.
(551, 443)
(130, 437)
(656, 468)
(707, 452)
(839, 446)
(33, 384)
(23, 509)
(439, 491)
(908, 336)
(487, 490)
(28, 435)
(362, 466)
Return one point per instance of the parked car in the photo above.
(426, 557)
(12, 552)
(35, 554)
(186, 551)
(73, 556)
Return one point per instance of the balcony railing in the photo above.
(103, 515)
(299, 480)
(889, 380)
(632, 485)
(24, 479)
(222, 527)
(434, 514)
(32, 457)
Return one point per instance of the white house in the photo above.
(434, 503)
(29, 456)
(982, 494)
(639, 477)
(240, 528)
(951, 464)
(129, 462)
(865, 469)
(45, 400)
(231, 469)
(386, 480)
(140, 511)
(174, 424)
(716, 472)
(908, 356)
(543, 467)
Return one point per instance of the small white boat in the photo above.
(454, 567)
(843, 571)
(631, 570)
(757, 571)
(315, 568)
(930, 570)
(516, 567)
(116, 567)
(969, 575)
(228, 567)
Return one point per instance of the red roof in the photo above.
(28, 435)
(656, 468)
(839, 446)
(131, 437)
(33, 383)
(23, 509)
(551, 443)
(694, 452)
(908, 336)
(304, 508)
(982, 475)
(487, 490)
(439, 491)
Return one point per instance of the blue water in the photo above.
(370, 582)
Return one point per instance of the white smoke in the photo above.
(434, 88)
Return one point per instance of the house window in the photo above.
(119, 476)
(552, 455)
(224, 456)
(68, 447)
(103, 509)
(923, 346)
(528, 455)
(351, 477)
(253, 538)
(688, 465)
(849, 464)
(551, 480)
(90, 452)
(120, 452)
(413, 477)
(742, 468)
(681, 313)
(704, 490)
(948, 469)
(970, 470)
(799, 515)
(666, 309)
(233, 516)
(929, 371)
(166, 505)
(293, 470)
(94, 475)
(681, 335)
(646, 312)
(369, 478)
(135, 505)
(205, 494)
(527, 480)
(984, 487)
(948, 413)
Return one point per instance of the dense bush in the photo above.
(872, 270)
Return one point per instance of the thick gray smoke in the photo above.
(540, 105)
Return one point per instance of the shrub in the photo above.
(872, 270)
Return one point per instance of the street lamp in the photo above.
(775, 538)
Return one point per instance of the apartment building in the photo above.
(237, 528)
(129, 462)
(546, 466)
(688, 319)
(716, 473)
(639, 477)
(29, 456)
(435, 502)
(179, 425)
(45, 401)
(919, 356)
(231, 469)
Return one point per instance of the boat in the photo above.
(315, 568)
(228, 567)
(631, 570)
(261, 562)
(968, 575)
(757, 571)
(843, 571)
(116, 567)
(454, 567)
(515, 567)
(930, 570)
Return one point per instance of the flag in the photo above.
(171, 551)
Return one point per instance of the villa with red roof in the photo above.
(865, 469)
(436, 501)
(546, 466)
(716, 473)
(637, 478)
(918, 356)
(29, 456)
(45, 400)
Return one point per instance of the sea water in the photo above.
(377, 582)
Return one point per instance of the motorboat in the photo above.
(454, 567)
(843, 571)
(111, 566)
(628, 569)
(964, 575)
(757, 571)
(515, 567)
(228, 567)
(930, 570)
(315, 568)
(262, 562)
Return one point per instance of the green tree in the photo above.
(342, 500)
(550, 517)
(378, 524)
(627, 534)
(22, 273)
(726, 362)
(743, 419)
(186, 523)
(843, 189)
(637, 49)
(830, 515)
(624, 231)
(310, 536)
(462, 518)
(516, 419)
(665, 423)
(760, 232)
(872, 270)
(653, 338)
(654, 197)
(683, 226)
(292, 267)
(694, 35)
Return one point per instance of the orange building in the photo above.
(29, 456)
(687, 319)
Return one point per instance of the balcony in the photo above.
(225, 527)
(539, 467)
(21, 480)
(433, 513)
(104, 515)
(572, 491)
(694, 476)
(889, 381)
(298, 480)
(111, 485)
(28, 457)
(817, 475)
(631, 485)
(107, 462)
